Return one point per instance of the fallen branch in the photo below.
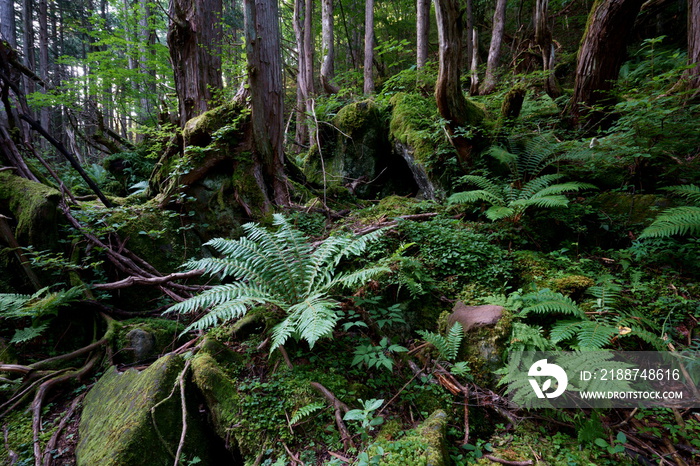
(129, 281)
(510, 463)
(393, 223)
(183, 404)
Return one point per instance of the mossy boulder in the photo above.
(358, 155)
(144, 339)
(135, 418)
(33, 210)
(424, 446)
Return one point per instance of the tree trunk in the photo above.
(29, 61)
(422, 32)
(499, 20)
(147, 39)
(193, 39)
(327, 47)
(460, 114)
(267, 94)
(543, 38)
(302, 31)
(44, 56)
(7, 22)
(694, 42)
(369, 46)
(600, 56)
(474, 67)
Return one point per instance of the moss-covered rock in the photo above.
(135, 418)
(630, 209)
(32, 208)
(358, 156)
(142, 339)
(424, 446)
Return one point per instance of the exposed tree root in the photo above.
(51, 445)
(340, 409)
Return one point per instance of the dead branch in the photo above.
(393, 223)
(510, 463)
(67, 357)
(147, 281)
(338, 406)
(183, 404)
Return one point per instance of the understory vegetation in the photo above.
(324, 332)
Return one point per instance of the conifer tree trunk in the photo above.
(327, 47)
(44, 55)
(694, 42)
(267, 94)
(600, 56)
(7, 23)
(303, 11)
(147, 38)
(193, 39)
(499, 20)
(422, 32)
(28, 34)
(451, 103)
(369, 47)
(543, 38)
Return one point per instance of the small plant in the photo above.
(368, 421)
(447, 347)
(377, 356)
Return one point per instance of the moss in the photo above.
(483, 347)
(200, 131)
(392, 206)
(117, 425)
(165, 335)
(412, 123)
(572, 285)
(34, 209)
(20, 436)
(425, 446)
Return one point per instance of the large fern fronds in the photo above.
(549, 302)
(447, 347)
(688, 191)
(279, 268)
(675, 221)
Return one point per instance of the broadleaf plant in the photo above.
(281, 269)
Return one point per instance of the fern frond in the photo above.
(561, 188)
(595, 334)
(563, 330)
(29, 333)
(545, 202)
(454, 340)
(688, 191)
(494, 213)
(306, 411)
(360, 277)
(468, 197)
(482, 183)
(503, 156)
(437, 340)
(314, 318)
(675, 221)
(536, 185)
(550, 302)
(222, 294)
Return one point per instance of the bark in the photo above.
(474, 66)
(543, 39)
(422, 32)
(267, 93)
(7, 23)
(28, 17)
(147, 38)
(600, 56)
(452, 105)
(499, 20)
(44, 55)
(193, 38)
(694, 42)
(471, 49)
(327, 47)
(369, 46)
(303, 10)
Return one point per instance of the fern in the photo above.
(549, 302)
(677, 221)
(447, 347)
(283, 270)
(306, 411)
(29, 333)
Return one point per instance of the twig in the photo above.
(183, 404)
(67, 357)
(508, 462)
(295, 458)
(285, 356)
(397, 394)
